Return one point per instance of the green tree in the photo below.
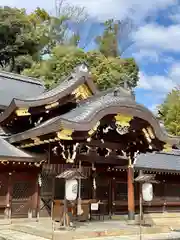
(108, 42)
(115, 38)
(169, 112)
(25, 38)
(19, 36)
(106, 72)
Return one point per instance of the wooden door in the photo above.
(119, 197)
(23, 188)
(3, 193)
(103, 192)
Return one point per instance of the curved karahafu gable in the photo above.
(78, 81)
(118, 103)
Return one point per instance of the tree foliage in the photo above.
(108, 42)
(169, 112)
(106, 71)
(19, 35)
(28, 37)
(116, 37)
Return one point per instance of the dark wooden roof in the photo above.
(159, 162)
(17, 86)
(90, 111)
(2, 132)
(11, 153)
(79, 76)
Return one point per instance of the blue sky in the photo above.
(156, 40)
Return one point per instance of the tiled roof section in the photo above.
(57, 90)
(75, 78)
(90, 111)
(21, 78)
(161, 162)
(87, 109)
(84, 112)
(17, 86)
(79, 76)
(9, 151)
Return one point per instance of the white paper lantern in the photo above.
(147, 192)
(71, 188)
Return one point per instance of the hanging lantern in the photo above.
(147, 192)
(71, 188)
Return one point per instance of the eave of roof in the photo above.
(63, 89)
(21, 78)
(90, 111)
(11, 153)
(159, 162)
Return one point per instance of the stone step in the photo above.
(9, 234)
(33, 231)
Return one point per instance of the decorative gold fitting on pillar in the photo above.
(130, 165)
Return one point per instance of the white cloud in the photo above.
(160, 83)
(159, 37)
(174, 72)
(154, 109)
(174, 16)
(157, 83)
(146, 54)
(103, 9)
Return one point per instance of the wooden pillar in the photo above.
(131, 207)
(112, 197)
(140, 200)
(8, 198)
(38, 191)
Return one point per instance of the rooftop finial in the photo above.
(82, 68)
(116, 92)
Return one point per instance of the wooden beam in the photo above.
(110, 145)
(102, 160)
